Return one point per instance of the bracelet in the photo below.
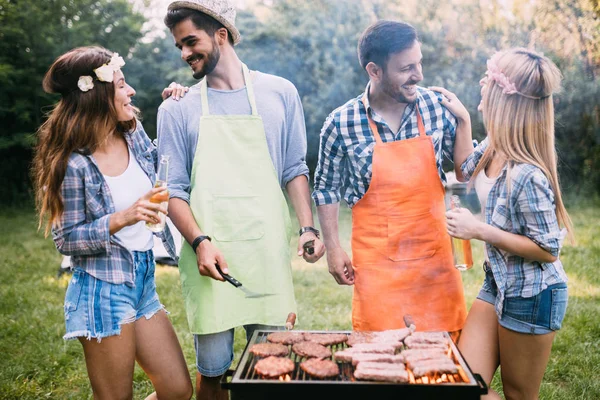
(199, 240)
(305, 229)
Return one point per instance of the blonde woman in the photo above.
(94, 170)
(523, 301)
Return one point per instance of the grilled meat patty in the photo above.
(274, 367)
(320, 368)
(269, 349)
(286, 337)
(311, 350)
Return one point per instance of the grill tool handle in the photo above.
(481, 383)
(309, 247)
(410, 322)
(228, 277)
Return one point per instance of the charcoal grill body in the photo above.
(243, 383)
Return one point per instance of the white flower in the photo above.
(105, 73)
(117, 61)
(85, 83)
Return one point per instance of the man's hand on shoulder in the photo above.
(175, 91)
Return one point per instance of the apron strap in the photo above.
(373, 125)
(249, 90)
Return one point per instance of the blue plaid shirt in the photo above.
(346, 148)
(526, 209)
(83, 231)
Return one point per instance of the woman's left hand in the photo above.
(452, 103)
(462, 224)
(175, 91)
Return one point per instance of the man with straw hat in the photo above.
(235, 140)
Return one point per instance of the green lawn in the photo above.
(35, 363)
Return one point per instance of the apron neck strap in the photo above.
(373, 126)
(249, 90)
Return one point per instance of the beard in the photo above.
(210, 62)
(396, 91)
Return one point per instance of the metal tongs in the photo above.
(249, 294)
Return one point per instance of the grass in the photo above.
(35, 362)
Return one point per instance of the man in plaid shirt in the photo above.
(382, 152)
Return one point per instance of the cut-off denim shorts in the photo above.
(214, 352)
(97, 309)
(536, 315)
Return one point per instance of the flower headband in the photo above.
(105, 73)
(494, 73)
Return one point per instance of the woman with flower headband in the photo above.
(94, 169)
(523, 301)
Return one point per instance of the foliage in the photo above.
(36, 363)
(313, 44)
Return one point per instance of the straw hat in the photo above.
(221, 10)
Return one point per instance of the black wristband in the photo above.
(305, 229)
(199, 240)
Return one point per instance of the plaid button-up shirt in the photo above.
(526, 209)
(83, 231)
(346, 148)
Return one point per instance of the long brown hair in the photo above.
(520, 126)
(80, 121)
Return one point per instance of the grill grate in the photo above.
(244, 383)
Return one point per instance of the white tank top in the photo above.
(126, 189)
(483, 185)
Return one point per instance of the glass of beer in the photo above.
(161, 197)
(461, 248)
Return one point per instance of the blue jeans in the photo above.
(97, 309)
(536, 315)
(214, 352)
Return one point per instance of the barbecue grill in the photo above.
(243, 383)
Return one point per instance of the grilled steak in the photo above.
(383, 347)
(274, 367)
(285, 337)
(412, 340)
(345, 355)
(311, 350)
(428, 369)
(360, 337)
(269, 349)
(415, 362)
(320, 368)
(395, 375)
(381, 358)
(326, 339)
(392, 335)
(362, 365)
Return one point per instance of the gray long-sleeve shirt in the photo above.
(277, 102)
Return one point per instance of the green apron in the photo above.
(237, 200)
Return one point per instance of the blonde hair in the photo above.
(520, 125)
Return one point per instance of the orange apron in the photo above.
(402, 254)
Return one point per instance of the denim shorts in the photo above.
(214, 352)
(536, 315)
(97, 309)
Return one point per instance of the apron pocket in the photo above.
(237, 218)
(412, 237)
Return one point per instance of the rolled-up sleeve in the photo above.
(172, 141)
(469, 165)
(327, 175)
(295, 154)
(72, 235)
(450, 124)
(537, 212)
